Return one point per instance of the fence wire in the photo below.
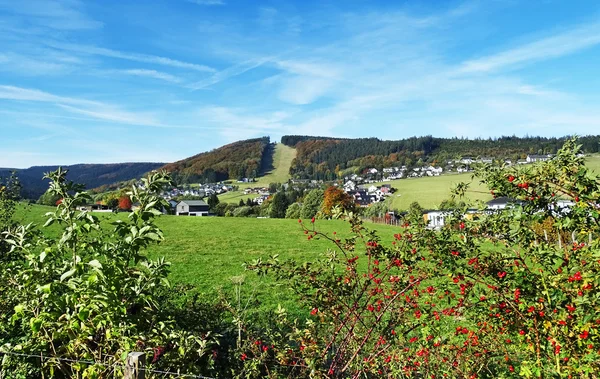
(114, 365)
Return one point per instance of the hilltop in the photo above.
(241, 159)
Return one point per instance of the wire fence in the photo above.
(116, 365)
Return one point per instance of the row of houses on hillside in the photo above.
(365, 196)
(203, 190)
(437, 218)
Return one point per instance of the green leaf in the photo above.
(67, 275)
(83, 314)
(35, 324)
(19, 308)
(46, 288)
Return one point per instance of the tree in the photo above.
(220, 209)
(241, 203)
(249, 202)
(311, 203)
(278, 205)
(336, 197)
(212, 202)
(125, 203)
(293, 211)
(48, 198)
(415, 209)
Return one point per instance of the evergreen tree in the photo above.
(213, 201)
(278, 205)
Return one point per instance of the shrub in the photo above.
(480, 298)
(92, 294)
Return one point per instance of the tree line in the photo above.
(324, 158)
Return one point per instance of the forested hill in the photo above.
(240, 159)
(324, 157)
(90, 175)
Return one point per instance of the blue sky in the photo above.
(113, 81)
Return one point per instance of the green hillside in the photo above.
(429, 192)
(280, 172)
(239, 159)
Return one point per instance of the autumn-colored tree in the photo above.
(335, 197)
(125, 203)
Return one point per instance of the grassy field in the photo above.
(593, 162)
(429, 192)
(208, 251)
(282, 160)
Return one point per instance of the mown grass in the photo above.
(282, 160)
(208, 251)
(429, 192)
(593, 162)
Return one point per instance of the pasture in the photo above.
(208, 251)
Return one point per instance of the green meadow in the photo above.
(208, 251)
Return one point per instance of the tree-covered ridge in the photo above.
(236, 160)
(324, 158)
(90, 175)
(293, 140)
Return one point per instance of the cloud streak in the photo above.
(143, 58)
(153, 74)
(581, 37)
(206, 2)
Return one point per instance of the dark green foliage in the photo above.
(292, 141)
(279, 205)
(213, 201)
(233, 161)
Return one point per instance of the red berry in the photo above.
(511, 178)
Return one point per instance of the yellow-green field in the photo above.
(593, 162)
(429, 192)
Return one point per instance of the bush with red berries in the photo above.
(485, 296)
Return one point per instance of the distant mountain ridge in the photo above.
(90, 175)
(325, 158)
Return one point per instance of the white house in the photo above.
(191, 208)
(538, 158)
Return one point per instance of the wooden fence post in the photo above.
(134, 368)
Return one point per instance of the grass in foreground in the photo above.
(208, 251)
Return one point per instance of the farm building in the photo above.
(192, 208)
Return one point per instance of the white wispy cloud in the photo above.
(229, 72)
(144, 58)
(577, 38)
(33, 66)
(94, 109)
(153, 74)
(207, 2)
(56, 14)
